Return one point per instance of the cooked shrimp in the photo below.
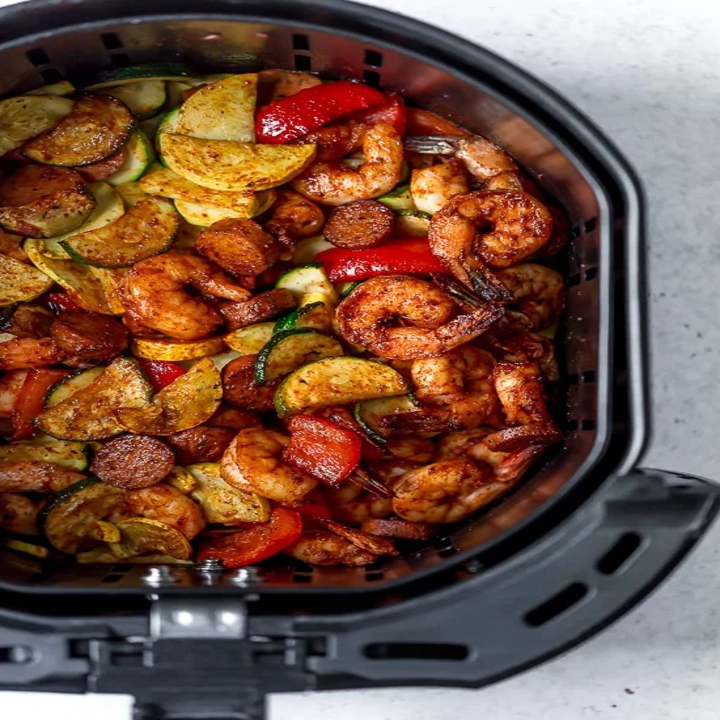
(411, 447)
(22, 353)
(432, 187)
(321, 547)
(445, 491)
(504, 181)
(537, 292)
(482, 159)
(494, 228)
(165, 504)
(253, 461)
(35, 477)
(430, 325)
(522, 394)
(154, 290)
(276, 83)
(294, 216)
(18, 514)
(239, 246)
(333, 183)
(461, 382)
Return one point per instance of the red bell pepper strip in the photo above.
(393, 111)
(60, 302)
(322, 449)
(292, 117)
(399, 256)
(31, 398)
(314, 506)
(424, 122)
(161, 373)
(256, 542)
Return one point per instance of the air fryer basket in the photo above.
(580, 542)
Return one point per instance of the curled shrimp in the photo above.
(162, 503)
(493, 228)
(321, 547)
(522, 394)
(293, 217)
(154, 291)
(461, 382)
(21, 353)
(253, 461)
(405, 318)
(333, 183)
(432, 187)
(20, 477)
(537, 292)
(18, 514)
(482, 159)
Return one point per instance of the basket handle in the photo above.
(572, 583)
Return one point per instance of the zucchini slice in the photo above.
(168, 124)
(89, 413)
(108, 208)
(222, 110)
(245, 204)
(224, 503)
(145, 98)
(92, 288)
(250, 339)
(336, 381)
(146, 229)
(369, 413)
(310, 278)
(232, 166)
(177, 88)
(131, 194)
(412, 223)
(63, 389)
(20, 282)
(71, 516)
(41, 202)
(72, 455)
(221, 359)
(143, 536)
(185, 403)
(305, 250)
(206, 215)
(27, 116)
(140, 155)
(312, 316)
(345, 288)
(398, 199)
(106, 120)
(38, 551)
(181, 480)
(60, 88)
(146, 71)
(291, 349)
(175, 350)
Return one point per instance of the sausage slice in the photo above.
(132, 462)
(361, 224)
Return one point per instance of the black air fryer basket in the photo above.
(576, 546)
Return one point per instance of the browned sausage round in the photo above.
(200, 444)
(398, 528)
(240, 388)
(261, 307)
(132, 462)
(360, 224)
(104, 168)
(89, 336)
(238, 246)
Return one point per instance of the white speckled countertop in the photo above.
(648, 71)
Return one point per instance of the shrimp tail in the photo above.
(516, 464)
(464, 328)
(488, 285)
(458, 291)
(369, 483)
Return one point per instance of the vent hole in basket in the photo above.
(37, 57)
(573, 280)
(120, 60)
(590, 225)
(300, 577)
(303, 63)
(574, 232)
(416, 651)
(16, 655)
(373, 58)
(621, 551)
(445, 547)
(51, 75)
(587, 425)
(590, 273)
(112, 578)
(556, 605)
(111, 41)
(40, 577)
(589, 376)
(301, 42)
(371, 77)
